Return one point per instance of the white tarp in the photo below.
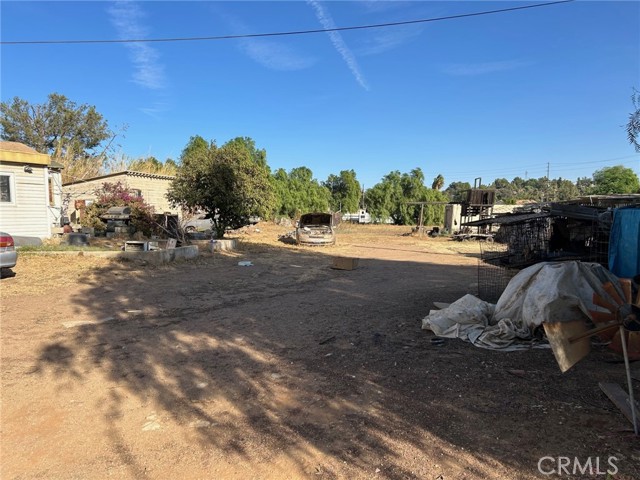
(544, 292)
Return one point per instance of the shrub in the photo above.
(118, 195)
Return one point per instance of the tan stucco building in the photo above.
(151, 186)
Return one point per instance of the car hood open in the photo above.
(319, 219)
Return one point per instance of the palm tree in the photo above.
(438, 182)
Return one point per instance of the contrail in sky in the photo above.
(336, 39)
(148, 72)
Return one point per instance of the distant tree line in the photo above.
(234, 181)
(609, 180)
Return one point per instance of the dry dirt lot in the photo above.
(286, 369)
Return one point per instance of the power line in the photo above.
(563, 166)
(601, 161)
(280, 34)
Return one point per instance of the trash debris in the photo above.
(80, 323)
(344, 263)
(201, 424)
(327, 340)
(152, 423)
(245, 263)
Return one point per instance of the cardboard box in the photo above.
(345, 263)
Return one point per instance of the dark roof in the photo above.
(507, 219)
(604, 201)
(55, 164)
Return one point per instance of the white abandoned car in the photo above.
(316, 229)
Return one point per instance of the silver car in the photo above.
(199, 223)
(315, 229)
(8, 254)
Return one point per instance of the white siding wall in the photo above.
(54, 209)
(28, 215)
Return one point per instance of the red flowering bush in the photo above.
(118, 195)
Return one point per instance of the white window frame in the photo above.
(12, 188)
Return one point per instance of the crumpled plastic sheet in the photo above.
(544, 292)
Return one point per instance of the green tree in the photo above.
(618, 179)
(225, 182)
(74, 135)
(438, 182)
(584, 185)
(456, 191)
(258, 155)
(504, 190)
(564, 189)
(345, 191)
(297, 192)
(390, 199)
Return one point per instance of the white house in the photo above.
(30, 193)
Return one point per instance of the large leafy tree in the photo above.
(297, 192)
(74, 135)
(618, 179)
(584, 185)
(225, 182)
(456, 191)
(345, 191)
(504, 190)
(258, 155)
(564, 189)
(390, 199)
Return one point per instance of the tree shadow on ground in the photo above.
(293, 357)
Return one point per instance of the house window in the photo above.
(7, 194)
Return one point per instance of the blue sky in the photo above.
(491, 96)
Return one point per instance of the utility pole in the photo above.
(548, 181)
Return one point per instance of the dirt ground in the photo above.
(285, 369)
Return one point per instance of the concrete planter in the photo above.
(154, 257)
(215, 245)
(158, 257)
(223, 245)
